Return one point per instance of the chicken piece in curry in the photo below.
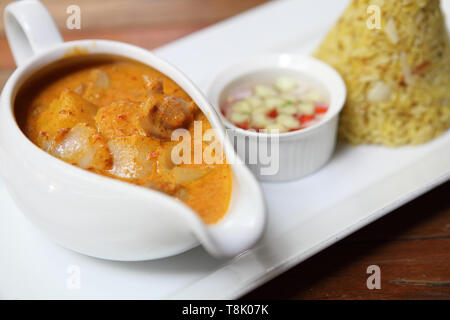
(116, 117)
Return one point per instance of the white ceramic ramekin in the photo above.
(300, 152)
(96, 215)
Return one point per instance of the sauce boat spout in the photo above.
(244, 222)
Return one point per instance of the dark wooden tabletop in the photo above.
(410, 245)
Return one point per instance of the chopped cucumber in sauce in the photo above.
(287, 104)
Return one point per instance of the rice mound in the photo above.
(398, 76)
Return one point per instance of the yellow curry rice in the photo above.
(398, 75)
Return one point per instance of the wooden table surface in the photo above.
(411, 245)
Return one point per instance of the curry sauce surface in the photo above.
(115, 117)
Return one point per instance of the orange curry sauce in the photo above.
(114, 117)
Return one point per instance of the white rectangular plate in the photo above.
(358, 186)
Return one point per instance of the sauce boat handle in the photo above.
(30, 29)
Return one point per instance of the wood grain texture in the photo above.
(146, 23)
(118, 14)
(411, 245)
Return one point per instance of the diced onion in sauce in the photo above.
(287, 104)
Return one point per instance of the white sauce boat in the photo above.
(96, 215)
